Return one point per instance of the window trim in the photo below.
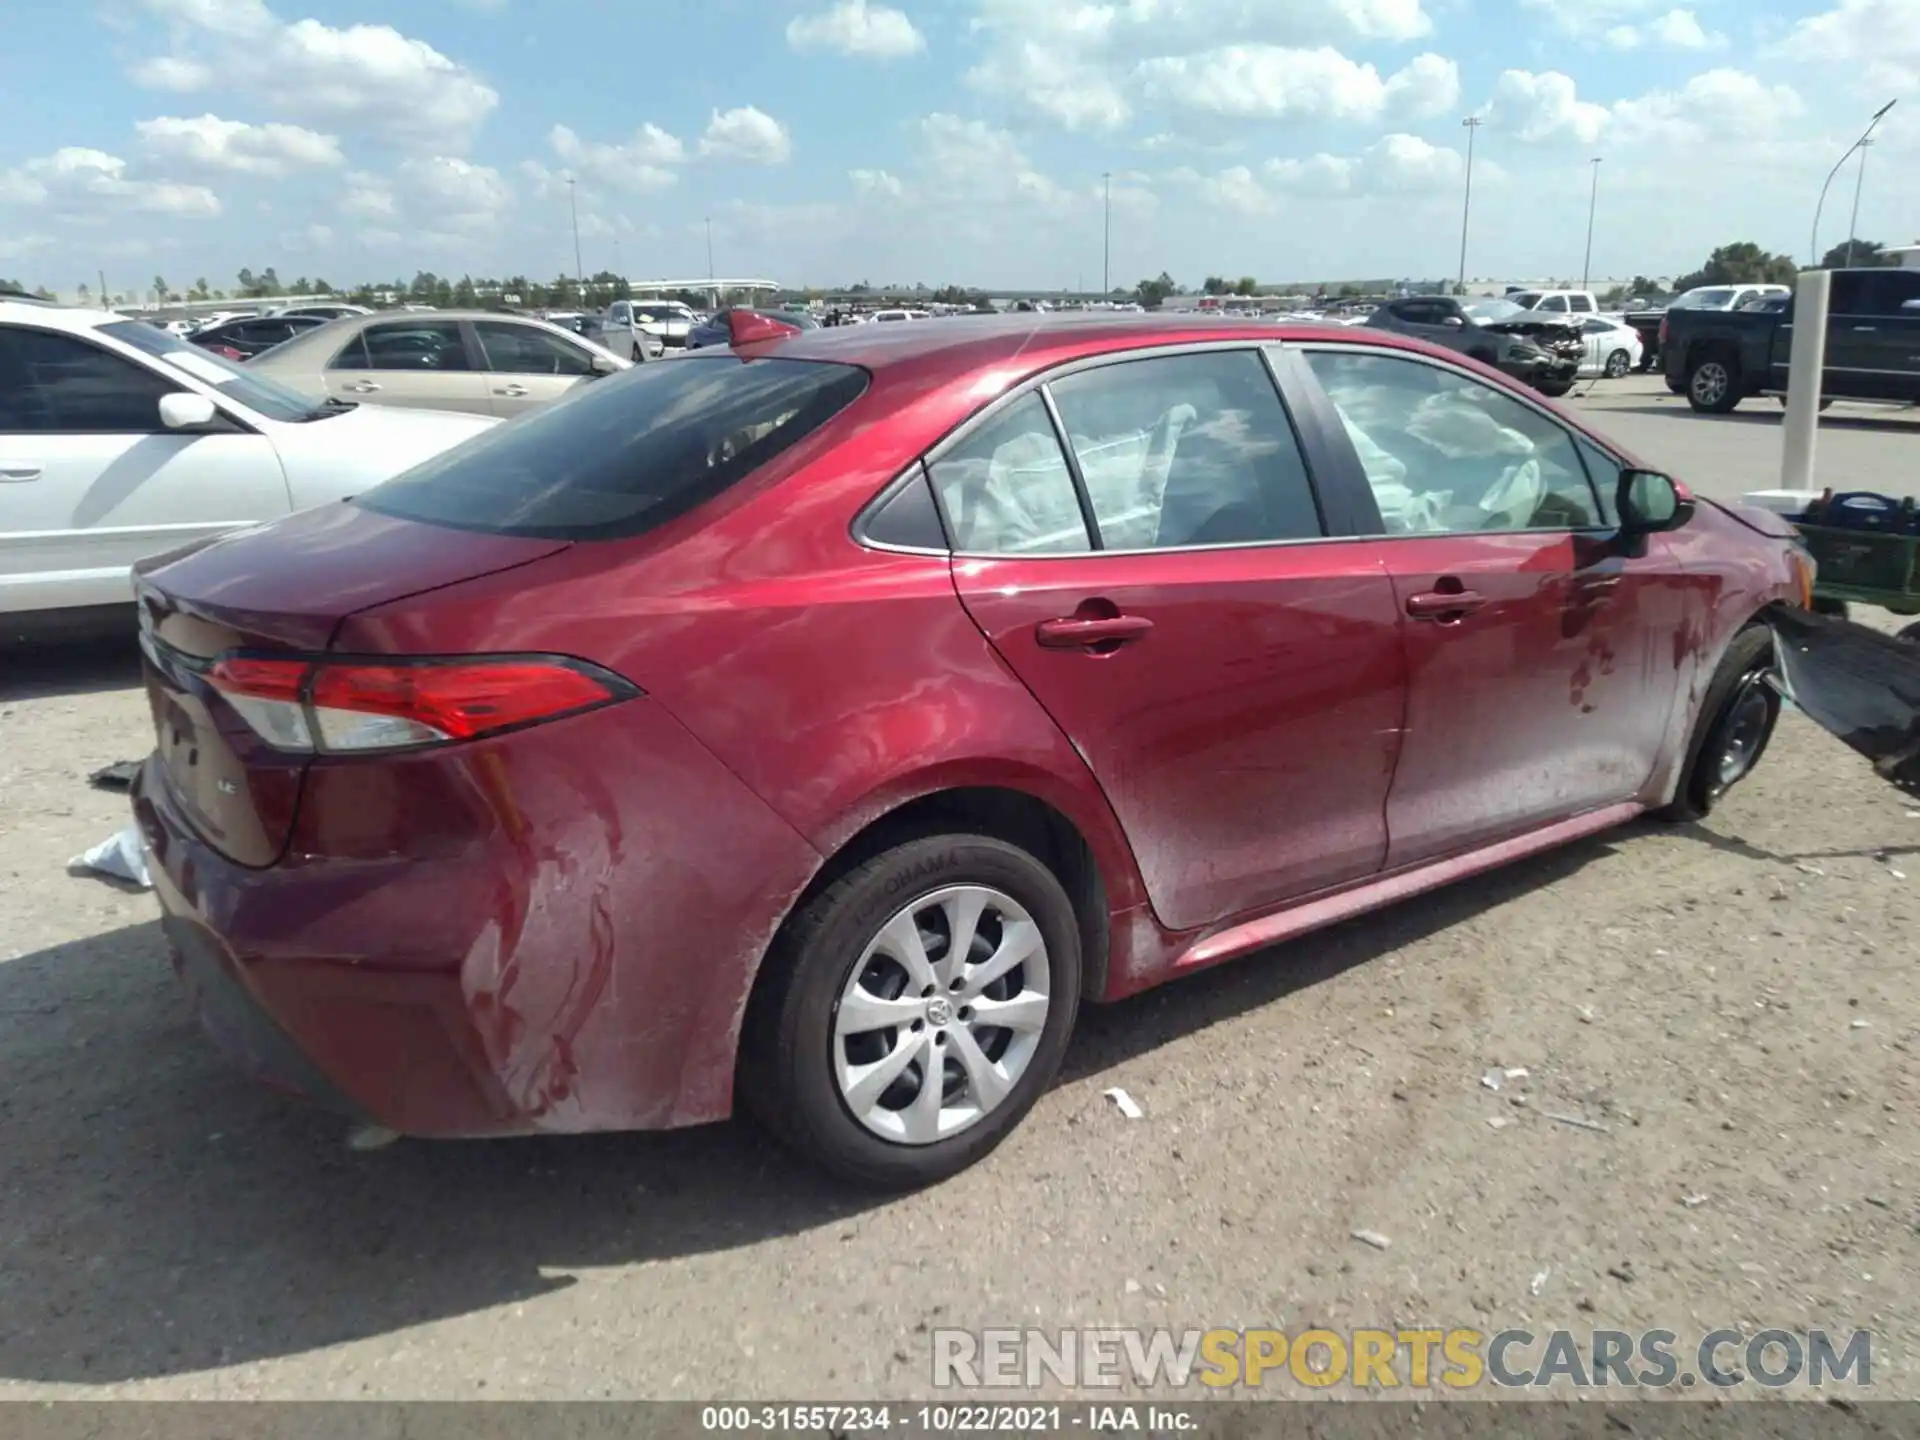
(1310, 455)
(1352, 455)
(93, 342)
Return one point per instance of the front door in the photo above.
(527, 367)
(1540, 656)
(421, 363)
(90, 481)
(1232, 677)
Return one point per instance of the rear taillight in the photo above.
(1663, 331)
(349, 706)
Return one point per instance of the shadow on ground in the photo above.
(159, 1214)
(85, 666)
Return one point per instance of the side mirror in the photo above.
(1455, 321)
(1651, 503)
(604, 365)
(184, 410)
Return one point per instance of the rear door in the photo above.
(1539, 653)
(527, 367)
(90, 481)
(1886, 332)
(426, 364)
(1227, 662)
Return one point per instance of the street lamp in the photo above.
(1593, 203)
(1473, 123)
(1106, 252)
(579, 270)
(1865, 140)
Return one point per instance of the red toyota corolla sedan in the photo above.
(820, 722)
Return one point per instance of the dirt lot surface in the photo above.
(1733, 1004)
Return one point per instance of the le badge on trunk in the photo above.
(1859, 684)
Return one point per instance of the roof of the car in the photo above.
(954, 345)
(49, 316)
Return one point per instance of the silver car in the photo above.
(472, 360)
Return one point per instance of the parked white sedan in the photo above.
(1613, 347)
(119, 441)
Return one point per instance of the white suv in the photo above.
(119, 441)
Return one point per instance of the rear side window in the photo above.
(627, 453)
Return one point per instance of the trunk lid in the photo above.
(283, 587)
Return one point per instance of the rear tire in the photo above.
(1619, 365)
(1713, 383)
(1554, 389)
(1910, 634)
(1734, 727)
(818, 1031)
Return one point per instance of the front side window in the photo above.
(1445, 454)
(1582, 303)
(248, 387)
(63, 385)
(1187, 450)
(522, 350)
(1006, 489)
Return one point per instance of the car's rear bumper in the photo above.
(552, 931)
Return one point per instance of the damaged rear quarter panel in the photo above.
(575, 914)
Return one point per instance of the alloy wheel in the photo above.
(1618, 364)
(1743, 732)
(1710, 383)
(941, 1015)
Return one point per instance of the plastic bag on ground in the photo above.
(119, 857)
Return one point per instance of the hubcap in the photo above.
(941, 1015)
(1709, 383)
(1746, 728)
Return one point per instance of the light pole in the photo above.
(1106, 249)
(1473, 123)
(1593, 203)
(579, 270)
(1853, 225)
(1865, 139)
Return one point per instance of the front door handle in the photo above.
(18, 474)
(1866, 329)
(515, 389)
(1444, 604)
(363, 387)
(1075, 632)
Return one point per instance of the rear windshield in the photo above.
(625, 453)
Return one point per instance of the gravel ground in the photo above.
(1731, 1001)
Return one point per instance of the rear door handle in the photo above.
(363, 387)
(514, 389)
(19, 474)
(1440, 604)
(1075, 632)
(1866, 329)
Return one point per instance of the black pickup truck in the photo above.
(1718, 358)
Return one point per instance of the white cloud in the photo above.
(640, 163)
(746, 134)
(855, 27)
(212, 143)
(367, 79)
(1676, 30)
(1722, 104)
(1881, 37)
(454, 193)
(1077, 61)
(81, 181)
(1273, 82)
(1718, 105)
(1545, 107)
(877, 182)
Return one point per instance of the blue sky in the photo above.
(939, 140)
